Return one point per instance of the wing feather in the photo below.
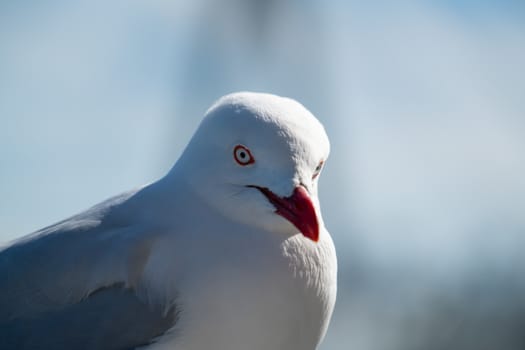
(75, 284)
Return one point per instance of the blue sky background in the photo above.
(424, 192)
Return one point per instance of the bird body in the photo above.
(227, 251)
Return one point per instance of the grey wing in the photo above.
(113, 318)
(77, 284)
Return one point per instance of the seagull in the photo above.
(227, 251)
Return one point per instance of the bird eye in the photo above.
(317, 169)
(243, 155)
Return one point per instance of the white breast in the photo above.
(278, 296)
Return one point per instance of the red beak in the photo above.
(298, 209)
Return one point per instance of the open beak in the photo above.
(297, 208)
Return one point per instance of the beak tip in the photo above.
(312, 234)
(304, 216)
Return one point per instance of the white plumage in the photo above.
(227, 251)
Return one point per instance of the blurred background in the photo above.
(424, 103)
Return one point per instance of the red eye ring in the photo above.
(242, 155)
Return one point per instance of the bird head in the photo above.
(257, 158)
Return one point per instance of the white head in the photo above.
(256, 158)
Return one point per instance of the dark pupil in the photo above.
(242, 154)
